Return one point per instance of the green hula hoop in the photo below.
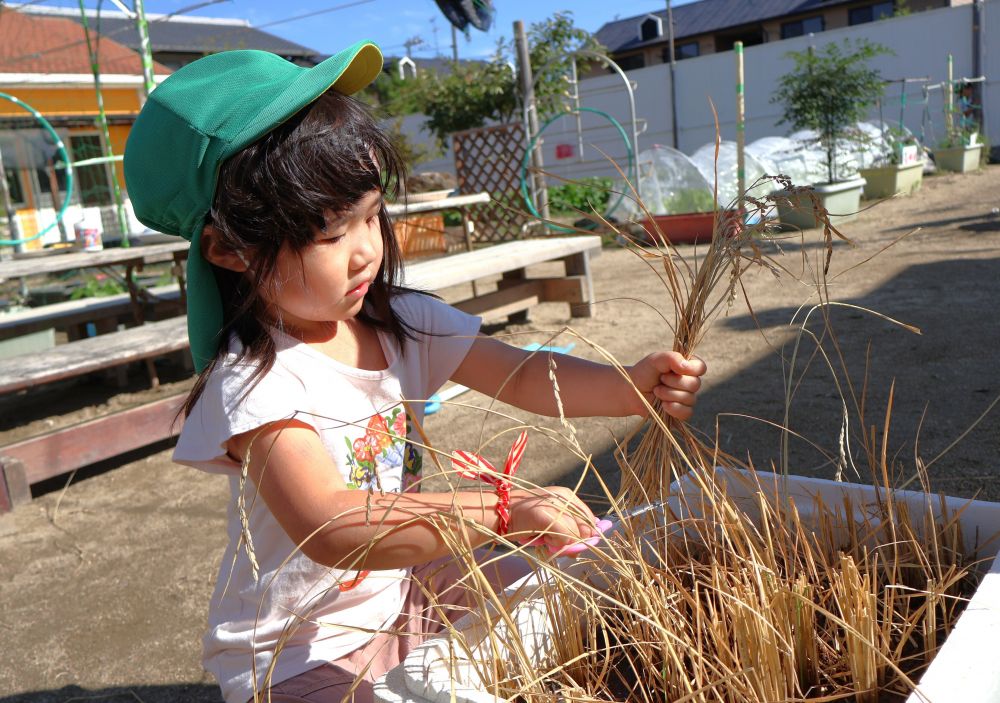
(61, 148)
(531, 147)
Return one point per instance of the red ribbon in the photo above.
(473, 466)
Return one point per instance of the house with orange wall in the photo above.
(45, 63)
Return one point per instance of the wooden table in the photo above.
(453, 202)
(59, 262)
(132, 258)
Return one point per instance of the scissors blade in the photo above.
(636, 511)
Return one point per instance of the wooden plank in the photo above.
(55, 263)
(491, 261)
(455, 202)
(571, 289)
(75, 312)
(579, 265)
(14, 486)
(504, 302)
(58, 452)
(92, 354)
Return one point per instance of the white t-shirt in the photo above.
(317, 614)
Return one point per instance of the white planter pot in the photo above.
(965, 668)
(887, 181)
(960, 159)
(842, 201)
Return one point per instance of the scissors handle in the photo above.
(602, 526)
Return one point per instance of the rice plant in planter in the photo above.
(738, 586)
(745, 587)
(829, 91)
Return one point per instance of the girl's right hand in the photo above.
(554, 515)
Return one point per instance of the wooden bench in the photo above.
(30, 461)
(35, 459)
(516, 293)
(70, 316)
(93, 354)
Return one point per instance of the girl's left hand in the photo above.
(670, 378)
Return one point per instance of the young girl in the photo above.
(306, 350)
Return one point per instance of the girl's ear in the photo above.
(213, 251)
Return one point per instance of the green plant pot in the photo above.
(960, 159)
(887, 181)
(842, 201)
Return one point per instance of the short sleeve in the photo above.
(443, 336)
(232, 404)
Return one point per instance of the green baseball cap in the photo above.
(196, 119)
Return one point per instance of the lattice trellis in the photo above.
(489, 159)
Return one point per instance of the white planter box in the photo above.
(961, 159)
(842, 201)
(965, 669)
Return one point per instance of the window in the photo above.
(627, 63)
(51, 185)
(92, 180)
(14, 186)
(870, 13)
(688, 50)
(650, 29)
(798, 28)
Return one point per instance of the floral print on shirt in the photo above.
(383, 450)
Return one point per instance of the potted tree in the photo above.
(901, 170)
(828, 91)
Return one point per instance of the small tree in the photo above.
(829, 91)
(474, 93)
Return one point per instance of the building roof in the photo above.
(198, 35)
(48, 44)
(703, 17)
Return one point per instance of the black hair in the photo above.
(277, 192)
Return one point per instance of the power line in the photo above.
(313, 14)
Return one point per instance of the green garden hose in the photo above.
(61, 148)
(534, 141)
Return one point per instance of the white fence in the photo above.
(920, 44)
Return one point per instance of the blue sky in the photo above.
(392, 22)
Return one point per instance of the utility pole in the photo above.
(145, 52)
(410, 43)
(673, 73)
(531, 117)
(454, 44)
(978, 60)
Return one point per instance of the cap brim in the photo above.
(346, 72)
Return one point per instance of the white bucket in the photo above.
(88, 236)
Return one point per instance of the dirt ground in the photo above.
(104, 583)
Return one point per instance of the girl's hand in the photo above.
(669, 377)
(554, 514)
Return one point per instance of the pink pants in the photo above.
(350, 678)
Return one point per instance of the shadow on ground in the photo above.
(945, 379)
(180, 693)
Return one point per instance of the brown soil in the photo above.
(104, 584)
